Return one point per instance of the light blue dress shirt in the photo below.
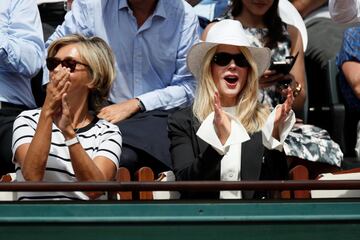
(21, 50)
(151, 60)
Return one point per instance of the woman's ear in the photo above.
(91, 85)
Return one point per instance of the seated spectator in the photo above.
(319, 50)
(150, 42)
(264, 28)
(348, 62)
(21, 57)
(64, 141)
(222, 136)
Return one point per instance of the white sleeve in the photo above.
(268, 140)
(208, 134)
(23, 130)
(111, 143)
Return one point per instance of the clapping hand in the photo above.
(282, 112)
(222, 121)
(59, 84)
(63, 118)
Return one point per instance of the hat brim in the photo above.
(198, 52)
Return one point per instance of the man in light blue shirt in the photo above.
(21, 57)
(209, 10)
(150, 40)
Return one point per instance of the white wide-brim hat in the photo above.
(228, 32)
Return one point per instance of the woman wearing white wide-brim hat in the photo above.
(223, 135)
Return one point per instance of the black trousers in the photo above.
(7, 118)
(146, 142)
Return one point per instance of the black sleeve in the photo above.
(189, 163)
(274, 166)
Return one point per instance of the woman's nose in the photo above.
(232, 64)
(58, 67)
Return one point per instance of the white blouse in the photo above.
(230, 167)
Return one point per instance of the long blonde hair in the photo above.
(249, 111)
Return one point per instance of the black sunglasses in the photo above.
(223, 59)
(53, 62)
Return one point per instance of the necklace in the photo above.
(81, 123)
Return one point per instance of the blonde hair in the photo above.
(96, 53)
(249, 111)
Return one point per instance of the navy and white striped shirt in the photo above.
(99, 138)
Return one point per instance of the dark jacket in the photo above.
(194, 159)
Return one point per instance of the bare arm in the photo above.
(298, 70)
(86, 169)
(305, 7)
(32, 157)
(351, 70)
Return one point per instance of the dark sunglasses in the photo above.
(53, 62)
(223, 59)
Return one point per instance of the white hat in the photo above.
(289, 14)
(229, 32)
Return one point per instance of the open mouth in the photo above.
(231, 79)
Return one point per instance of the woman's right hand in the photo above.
(58, 85)
(222, 121)
(269, 78)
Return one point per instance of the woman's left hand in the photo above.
(63, 119)
(282, 111)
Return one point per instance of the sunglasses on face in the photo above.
(53, 62)
(223, 59)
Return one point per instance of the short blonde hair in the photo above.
(97, 54)
(249, 111)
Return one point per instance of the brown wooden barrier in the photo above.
(179, 186)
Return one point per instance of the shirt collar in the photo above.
(123, 4)
(159, 10)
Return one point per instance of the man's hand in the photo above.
(120, 111)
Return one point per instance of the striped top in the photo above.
(99, 138)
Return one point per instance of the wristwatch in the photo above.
(72, 141)
(141, 105)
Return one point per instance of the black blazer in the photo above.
(194, 159)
